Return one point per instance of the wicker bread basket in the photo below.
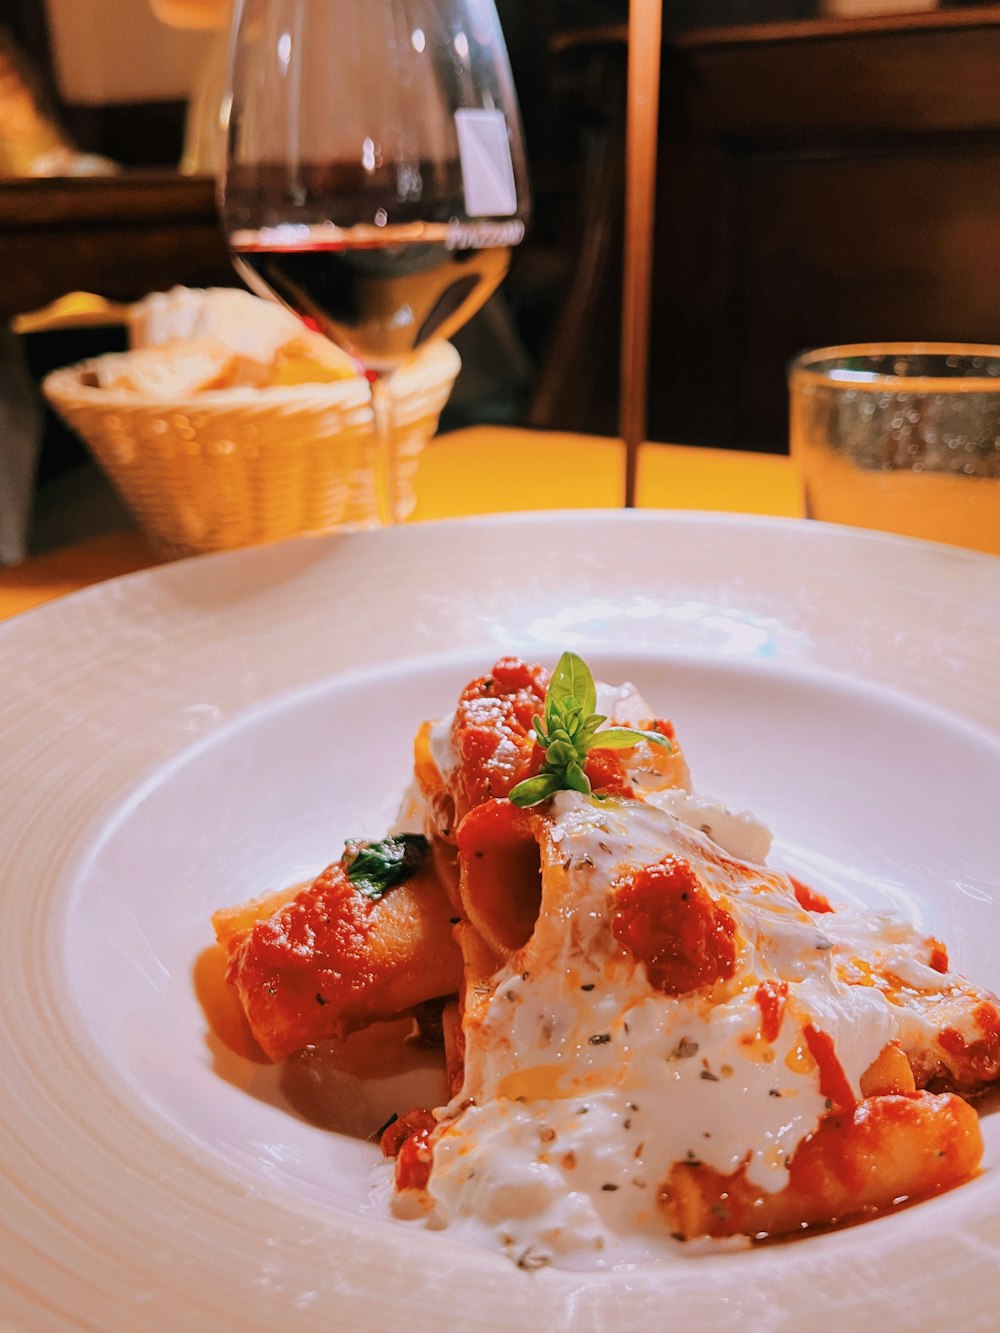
(241, 466)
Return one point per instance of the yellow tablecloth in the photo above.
(486, 470)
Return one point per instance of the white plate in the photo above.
(183, 738)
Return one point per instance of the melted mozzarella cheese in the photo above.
(738, 832)
(881, 948)
(443, 750)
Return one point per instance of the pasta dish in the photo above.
(651, 1037)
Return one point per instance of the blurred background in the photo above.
(829, 171)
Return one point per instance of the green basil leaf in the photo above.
(539, 788)
(561, 754)
(374, 867)
(570, 729)
(623, 738)
(572, 685)
(590, 730)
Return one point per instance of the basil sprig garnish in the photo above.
(374, 867)
(569, 730)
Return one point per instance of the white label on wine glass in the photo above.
(487, 170)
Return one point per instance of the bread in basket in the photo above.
(228, 465)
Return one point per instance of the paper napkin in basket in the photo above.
(269, 344)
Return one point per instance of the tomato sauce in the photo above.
(939, 956)
(809, 898)
(493, 735)
(670, 923)
(770, 997)
(306, 956)
(493, 731)
(978, 1061)
(832, 1079)
(607, 773)
(406, 1139)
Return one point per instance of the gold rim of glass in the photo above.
(802, 368)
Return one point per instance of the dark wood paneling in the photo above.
(856, 249)
(119, 236)
(827, 184)
(839, 77)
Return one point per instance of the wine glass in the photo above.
(374, 179)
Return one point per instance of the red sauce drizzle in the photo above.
(406, 1139)
(809, 898)
(771, 997)
(939, 956)
(832, 1079)
(978, 1061)
(669, 922)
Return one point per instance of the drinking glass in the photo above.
(375, 176)
(904, 437)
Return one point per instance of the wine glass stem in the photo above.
(385, 450)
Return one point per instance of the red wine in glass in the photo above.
(375, 178)
(379, 292)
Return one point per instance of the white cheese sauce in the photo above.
(738, 832)
(443, 750)
(584, 1085)
(925, 1001)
